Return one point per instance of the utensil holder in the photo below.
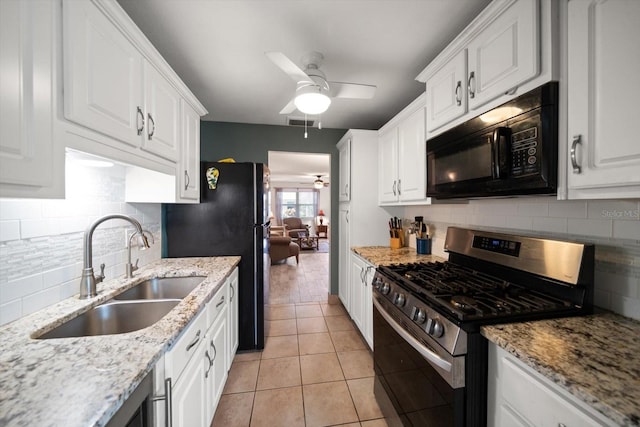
(395, 242)
(423, 246)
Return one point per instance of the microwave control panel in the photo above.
(524, 152)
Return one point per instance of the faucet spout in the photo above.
(88, 280)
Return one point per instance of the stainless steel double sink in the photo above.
(134, 309)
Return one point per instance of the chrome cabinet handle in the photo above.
(233, 292)
(206, 374)
(187, 181)
(346, 189)
(399, 181)
(139, 115)
(562, 425)
(151, 130)
(459, 93)
(168, 401)
(574, 162)
(347, 216)
(215, 351)
(195, 341)
(472, 92)
(220, 302)
(394, 188)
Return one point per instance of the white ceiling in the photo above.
(217, 47)
(299, 168)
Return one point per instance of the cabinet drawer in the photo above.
(186, 346)
(217, 304)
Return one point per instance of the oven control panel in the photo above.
(502, 246)
(435, 326)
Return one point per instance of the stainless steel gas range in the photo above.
(430, 358)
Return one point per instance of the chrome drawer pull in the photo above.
(574, 162)
(195, 341)
(220, 303)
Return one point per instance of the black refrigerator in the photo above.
(231, 219)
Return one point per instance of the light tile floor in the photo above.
(315, 370)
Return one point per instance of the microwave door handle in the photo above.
(501, 152)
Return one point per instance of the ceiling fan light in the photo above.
(318, 183)
(312, 102)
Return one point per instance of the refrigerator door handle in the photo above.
(266, 224)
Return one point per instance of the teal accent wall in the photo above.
(252, 143)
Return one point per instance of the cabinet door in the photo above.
(357, 292)
(388, 167)
(26, 103)
(343, 257)
(217, 371)
(102, 74)
(189, 393)
(367, 305)
(189, 171)
(162, 107)
(344, 161)
(603, 68)
(232, 318)
(412, 158)
(447, 92)
(505, 54)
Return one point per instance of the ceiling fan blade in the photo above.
(289, 108)
(289, 67)
(352, 90)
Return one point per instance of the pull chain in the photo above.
(305, 125)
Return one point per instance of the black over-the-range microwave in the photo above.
(507, 151)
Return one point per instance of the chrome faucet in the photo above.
(88, 281)
(130, 268)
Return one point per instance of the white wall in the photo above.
(612, 225)
(41, 241)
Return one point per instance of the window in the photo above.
(296, 202)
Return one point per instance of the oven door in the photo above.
(417, 383)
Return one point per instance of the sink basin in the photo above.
(162, 288)
(115, 317)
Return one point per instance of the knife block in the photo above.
(395, 242)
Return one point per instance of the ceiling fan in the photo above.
(313, 91)
(319, 183)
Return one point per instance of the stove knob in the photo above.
(419, 315)
(385, 288)
(377, 283)
(435, 328)
(399, 300)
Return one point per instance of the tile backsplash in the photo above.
(613, 226)
(41, 241)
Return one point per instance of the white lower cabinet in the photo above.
(520, 396)
(361, 308)
(344, 271)
(198, 363)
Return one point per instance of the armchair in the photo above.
(281, 248)
(295, 228)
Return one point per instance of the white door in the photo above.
(447, 92)
(388, 166)
(505, 54)
(344, 266)
(367, 309)
(412, 158)
(604, 64)
(162, 107)
(189, 171)
(102, 74)
(189, 393)
(344, 177)
(26, 110)
(232, 317)
(217, 374)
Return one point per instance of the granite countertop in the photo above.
(384, 255)
(84, 381)
(596, 358)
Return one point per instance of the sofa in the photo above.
(281, 248)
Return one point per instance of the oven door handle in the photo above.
(413, 342)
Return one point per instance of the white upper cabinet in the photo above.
(162, 105)
(102, 75)
(447, 92)
(603, 91)
(505, 54)
(30, 166)
(189, 172)
(402, 157)
(344, 175)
